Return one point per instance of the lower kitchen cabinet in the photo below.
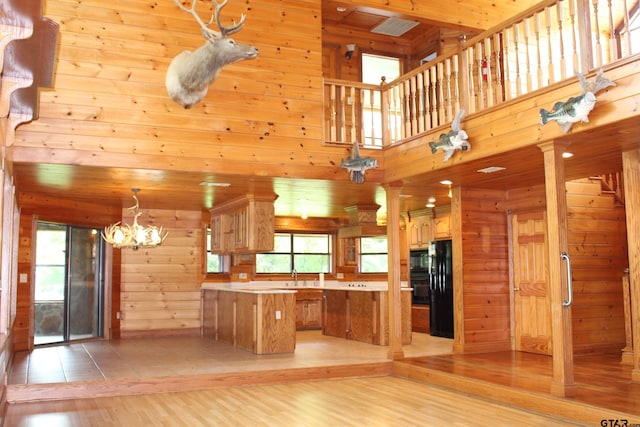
(420, 318)
(363, 316)
(309, 309)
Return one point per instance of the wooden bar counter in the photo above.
(362, 314)
(262, 321)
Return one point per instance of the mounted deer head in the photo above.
(190, 73)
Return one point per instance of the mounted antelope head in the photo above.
(190, 73)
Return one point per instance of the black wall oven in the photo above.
(419, 276)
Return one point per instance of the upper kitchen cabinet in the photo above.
(419, 230)
(442, 223)
(243, 225)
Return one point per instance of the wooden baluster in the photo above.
(547, 15)
(540, 77)
(441, 111)
(507, 64)
(625, 41)
(447, 88)
(434, 97)
(393, 112)
(481, 89)
(455, 83)
(563, 65)
(489, 76)
(613, 45)
(360, 108)
(372, 108)
(428, 84)
(332, 113)
(470, 74)
(516, 43)
(407, 109)
(414, 108)
(596, 31)
(342, 121)
(574, 38)
(421, 101)
(498, 68)
(351, 102)
(527, 35)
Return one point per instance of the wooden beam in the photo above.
(631, 171)
(393, 249)
(562, 347)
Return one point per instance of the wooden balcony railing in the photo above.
(544, 45)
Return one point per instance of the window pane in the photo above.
(311, 263)
(310, 243)
(282, 243)
(273, 263)
(374, 263)
(49, 283)
(213, 263)
(373, 245)
(51, 247)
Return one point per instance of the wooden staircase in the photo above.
(611, 183)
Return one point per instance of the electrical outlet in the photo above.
(340, 276)
(278, 315)
(242, 275)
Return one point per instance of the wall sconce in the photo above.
(350, 49)
(134, 236)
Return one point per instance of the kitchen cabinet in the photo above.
(361, 315)
(260, 321)
(419, 230)
(243, 225)
(442, 226)
(309, 309)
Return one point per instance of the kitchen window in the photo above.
(214, 262)
(373, 255)
(304, 253)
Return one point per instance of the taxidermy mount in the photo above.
(576, 109)
(190, 73)
(357, 166)
(449, 142)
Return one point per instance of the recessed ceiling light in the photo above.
(341, 9)
(405, 196)
(491, 169)
(567, 155)
(446, 182)
(214, 184)
(430, 205)
(431, 199)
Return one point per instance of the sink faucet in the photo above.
(294, 274)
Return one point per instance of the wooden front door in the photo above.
(532, 308)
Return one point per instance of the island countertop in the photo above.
(289, 286)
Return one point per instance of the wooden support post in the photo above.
(394, 291)
(562, 345)
(631, 180)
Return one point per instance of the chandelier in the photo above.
(134, 236)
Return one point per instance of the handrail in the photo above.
(543, 45)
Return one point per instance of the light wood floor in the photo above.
(327, 381)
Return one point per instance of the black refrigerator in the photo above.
(441, 288)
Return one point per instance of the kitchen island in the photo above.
(262, 321)
(362, 314)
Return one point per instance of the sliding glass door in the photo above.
(69, 283)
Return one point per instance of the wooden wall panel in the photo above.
(598, 251)
(161, 286)
(109, 95)
(486, 269)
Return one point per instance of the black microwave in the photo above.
(419, 260)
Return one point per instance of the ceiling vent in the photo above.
(394, 27)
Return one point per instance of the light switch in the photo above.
(278, 315)
(23, 278)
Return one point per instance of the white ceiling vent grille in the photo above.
(394, 27)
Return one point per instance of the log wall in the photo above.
(486, 270)
(598, 251)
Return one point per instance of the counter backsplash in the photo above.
(301, 284)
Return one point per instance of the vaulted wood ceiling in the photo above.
(171, 189)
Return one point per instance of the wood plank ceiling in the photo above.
(313, 195)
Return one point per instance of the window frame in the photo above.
(292, 254)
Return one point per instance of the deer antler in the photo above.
(206, 31)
